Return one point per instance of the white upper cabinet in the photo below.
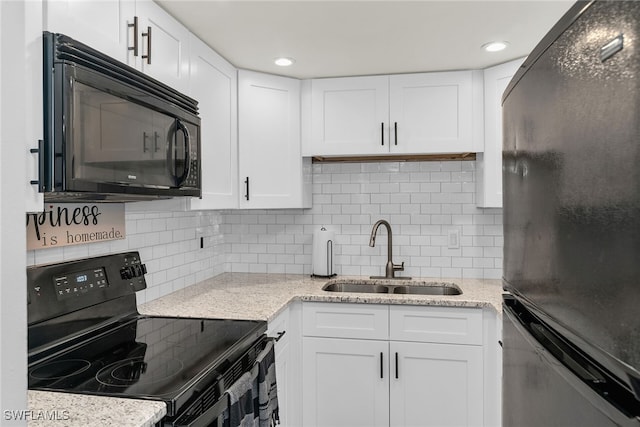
(489, 162)
(164, 46)
(271, 165)
(410, 114)
(213, 83)
(349, 116)
(99, 24)
(139, 33)
(21, 73)
(432, 113)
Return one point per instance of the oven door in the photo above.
(210, 407)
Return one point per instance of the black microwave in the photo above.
(112, 133)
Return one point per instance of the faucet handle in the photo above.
(398, 267)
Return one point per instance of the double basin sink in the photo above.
(392, 287)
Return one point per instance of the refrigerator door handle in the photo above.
(611, 48)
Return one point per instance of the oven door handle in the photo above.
(212, 414)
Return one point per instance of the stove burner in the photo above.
(59, 369)
(135, 370)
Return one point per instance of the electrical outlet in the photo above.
(453, 238)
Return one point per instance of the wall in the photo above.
(421, 200)
(168, 239)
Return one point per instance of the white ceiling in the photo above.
(344, 38)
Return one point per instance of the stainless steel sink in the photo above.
(435, 289)
(392, 287)
(367, 288)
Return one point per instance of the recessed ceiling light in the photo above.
(284, 62)
(495, 46)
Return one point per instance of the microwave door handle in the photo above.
(187, 153)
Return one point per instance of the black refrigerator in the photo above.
(571, 177)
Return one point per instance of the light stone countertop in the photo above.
(257, 296)
(250, 296)
(82, 410)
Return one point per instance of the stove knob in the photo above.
(126, 273)
(144, 268)
(137, 271)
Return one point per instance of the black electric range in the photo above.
(86, 336)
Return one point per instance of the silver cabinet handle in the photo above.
(148, 36)
(134, 48)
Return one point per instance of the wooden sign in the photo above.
(75, 224)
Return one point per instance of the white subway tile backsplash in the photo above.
(168, 239)
(451, 187)
(388, 209)
(451, 166)
(421, 200)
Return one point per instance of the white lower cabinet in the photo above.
(346, 382)
(426, 369)
(435, 385)
(287, 352)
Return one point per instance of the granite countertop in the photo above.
(236, 296)
(81, 410)
(258, 296)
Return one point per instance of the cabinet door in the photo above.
(436, 385)
(100, 24)
(280, 327)
(164, 49)
(20, 107)
(31, 53)
(213, 82)
(269, 141)
(349, 116)
(431, 112)
(345, 383)
(489, 162)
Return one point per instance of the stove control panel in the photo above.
(56, 289)
(81, 282)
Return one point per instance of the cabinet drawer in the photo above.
(436, 324)
(345, 320)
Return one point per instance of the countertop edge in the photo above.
(262, 296)
(82, 410)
